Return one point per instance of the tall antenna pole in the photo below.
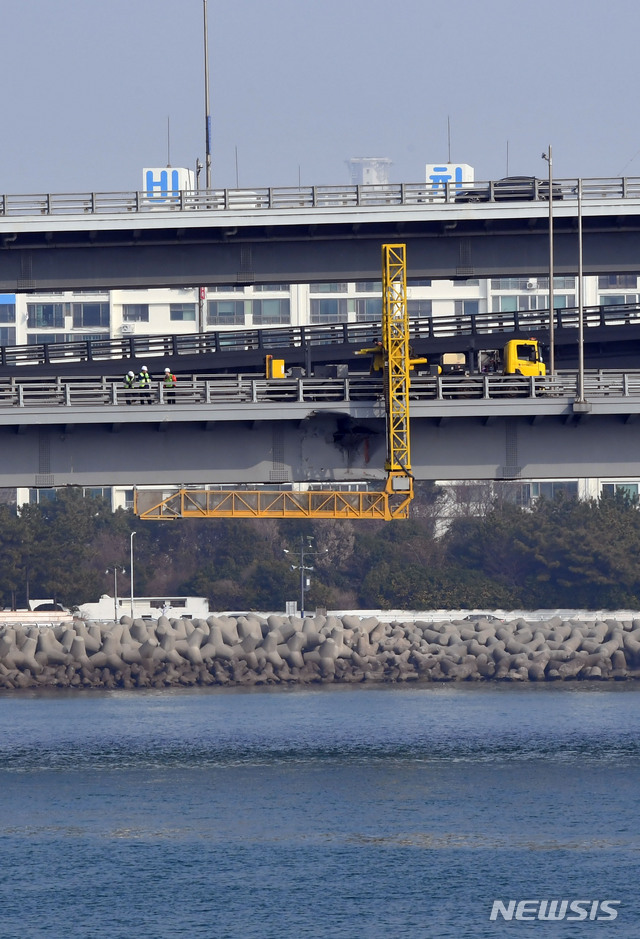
(206, 101)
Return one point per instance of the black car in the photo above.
(510, 189)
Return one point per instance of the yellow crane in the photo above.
(392, 502)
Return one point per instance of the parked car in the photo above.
(510, 189)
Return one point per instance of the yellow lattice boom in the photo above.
(264, 503)
(395, 324)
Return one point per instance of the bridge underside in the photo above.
(455, 247)
(324, 448)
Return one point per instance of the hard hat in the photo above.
(131, 374)
(144, 368)
(168, 370)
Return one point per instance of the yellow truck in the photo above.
(518, 357)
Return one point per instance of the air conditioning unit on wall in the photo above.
(127, 329)
(532, 284)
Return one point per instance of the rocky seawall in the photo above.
(253, 650)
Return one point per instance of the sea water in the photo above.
(341, 812)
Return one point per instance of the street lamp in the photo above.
(207, 115)
(131, 553)
(304, 550)
(549, 158)
(580, 302)
(115, 589)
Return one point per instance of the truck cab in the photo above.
(523, 357)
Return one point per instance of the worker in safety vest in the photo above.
(144, 384)
(129, 384)
(169, 381)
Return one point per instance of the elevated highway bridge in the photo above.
(309, 234)
(612, 340)
(236, 430)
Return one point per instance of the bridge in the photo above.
(224, 430)
(612, 340)
(310, 234)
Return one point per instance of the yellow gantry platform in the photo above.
(390, 503)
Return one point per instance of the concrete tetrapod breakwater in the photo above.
(254, 650)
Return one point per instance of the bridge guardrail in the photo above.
(246, 389)
(302, 197)
(279, 338)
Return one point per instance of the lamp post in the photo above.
(131, 558)
(549, 158)
(115, 589)
(207, 115)
(580, 301)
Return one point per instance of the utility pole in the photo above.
(305, 551)
(115, 589)
(131, 558)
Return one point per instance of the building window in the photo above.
(226, 288)
(422, 282)
(626, 281)
(225, 312)
(610, 489)
(185, 312)
(329, 311)
(90, 314)
(369, 310)
(97, 492)
(369, 286)
(618, 299)
(45, 315)
(135, 313)
(271, 312)
(7, 308)
(419, 307)
(275, 287)
(527, 493)
(465, 307)
(7, 335)
(527, 301)
(36, 339)
(328, 288)
(36, 496)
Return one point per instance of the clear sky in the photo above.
(299, 86)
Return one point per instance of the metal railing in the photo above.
(315, 197)
(280, 338)
(242, 389)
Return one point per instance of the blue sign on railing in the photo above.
(163, 183)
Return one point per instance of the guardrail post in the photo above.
(439, 387)
(486, 393)
(625, 385)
